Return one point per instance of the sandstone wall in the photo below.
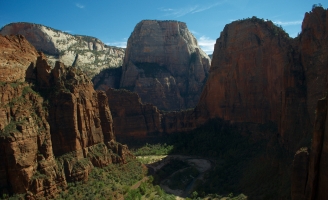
(164, 65)
(16, 57)
(256, 76)
(54, 128)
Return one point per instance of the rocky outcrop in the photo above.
(80, 122)
(108, 78)
(259, 75)
(314, 49)
(256, 77)
(310, 177)
(317, 179)
(55, 135)
(17, 55)
(87, 53)
(164, 65)
(27, 160)
(132, 119)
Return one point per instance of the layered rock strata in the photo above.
(17, 55)
(256, 76)
(56, 134)
(88, 53)
(164, 65)
(27, 160)
(133, 119)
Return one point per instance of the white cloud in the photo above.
(183, 11)
(289, 23)
(179, 12)
(206, 44)
(203, 8)
(165, 9)
(79, 5)
(121, 44)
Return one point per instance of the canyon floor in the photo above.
(155, 163)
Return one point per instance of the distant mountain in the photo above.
(165, 65)
(88, 53)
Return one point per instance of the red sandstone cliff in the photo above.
(131, 118)
(17, 55)
(313, 44)
(310, 176)
(256, 77)
(56, 135)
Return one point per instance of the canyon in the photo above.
(55, 127)
(266, 84)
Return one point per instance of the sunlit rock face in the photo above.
(88, 53)
(54, 127)
(164, 65)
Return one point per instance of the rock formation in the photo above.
(16, 57)
(164, 65)
(132, 119)
(87, 53)
(256, 77)
(108, 78)
(310, 177)
(27, 160)
(260, 75)
(314, 49)
(56, 134)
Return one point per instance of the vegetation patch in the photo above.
(153, 149)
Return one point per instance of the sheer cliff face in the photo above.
(313, 45)
(310, 175)
(164, 65)
(17, 57)
(88, 53)
(52, 136)
(256, 77)
(247, 73)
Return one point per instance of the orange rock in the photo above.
(17, 55)
(256, 77)
(74, 124)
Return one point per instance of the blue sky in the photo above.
(113, 21)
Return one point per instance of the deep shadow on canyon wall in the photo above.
(259, 75)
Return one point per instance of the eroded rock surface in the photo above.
(88, 53)
(256, 77)
(17, 55)
(133, 119)
(164, 65)
(54, 128)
